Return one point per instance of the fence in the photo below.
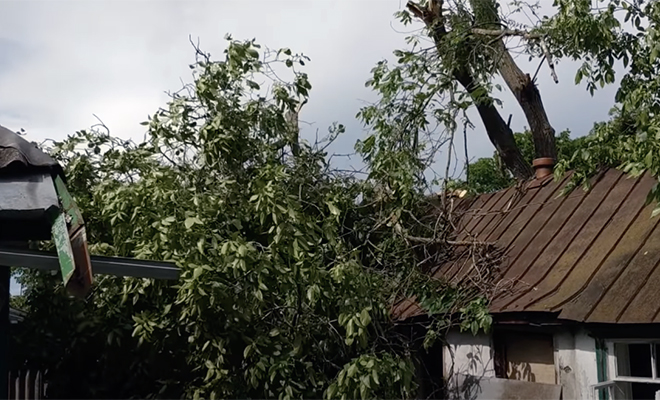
(26, 385)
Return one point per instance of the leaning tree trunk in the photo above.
(499, 132)
(529, 98)
(520, 83)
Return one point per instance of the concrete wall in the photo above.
(468, 355)
(468, 360)
(574, 361)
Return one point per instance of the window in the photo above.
(633, 371)
(525, 356)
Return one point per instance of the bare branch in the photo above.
(548, 57)
(423, 240)
(506, 32)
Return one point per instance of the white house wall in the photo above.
(575, 360)
(467, 354)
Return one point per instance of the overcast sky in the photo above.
(62, 61)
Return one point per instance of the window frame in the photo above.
(612, 372)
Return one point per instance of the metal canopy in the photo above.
(28, 204)
(36, 205)
(117, 266)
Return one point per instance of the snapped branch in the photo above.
(500, 33)
(423, 240)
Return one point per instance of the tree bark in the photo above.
(499, 133)
(520, 83)
(529, 98)
(292, 119)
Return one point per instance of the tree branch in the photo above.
(548, 57)
(499, 134)
(500, 33)
(506, 32)
(424, 240)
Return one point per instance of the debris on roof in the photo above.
(588, 256)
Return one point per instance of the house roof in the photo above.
(27, 194)
(18, 152)
(588, 256)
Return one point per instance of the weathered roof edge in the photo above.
(16, 150)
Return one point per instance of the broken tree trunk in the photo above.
(529, 98)
(499, 133)
(520, 83)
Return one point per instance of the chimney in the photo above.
(543, 166)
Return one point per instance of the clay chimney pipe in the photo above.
(543, 166)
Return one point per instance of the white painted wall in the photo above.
(466, 354)
(575, 360)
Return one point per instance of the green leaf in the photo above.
(654, 53)
(648, 160)
(333, 209)
(374, 375)
(365, 319)
(312, 293)
(352, 370)
(248, 351)
(189, 222)
(242, 250)
(656, 211)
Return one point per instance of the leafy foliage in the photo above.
(624, 32)
(288, 268)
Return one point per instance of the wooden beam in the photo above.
(5, 274)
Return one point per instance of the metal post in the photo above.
(5, 273)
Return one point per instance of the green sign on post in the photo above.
(68, 232)
(63, 245)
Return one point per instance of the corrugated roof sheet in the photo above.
(589, 256)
